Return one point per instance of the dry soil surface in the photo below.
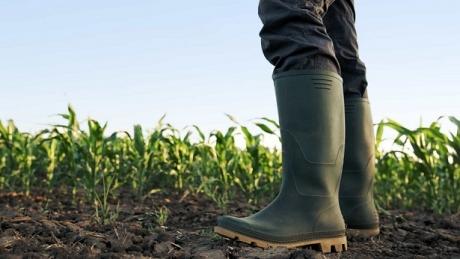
(45, 226)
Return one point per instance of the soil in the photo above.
(41, 227)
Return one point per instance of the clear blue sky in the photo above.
(129, 62)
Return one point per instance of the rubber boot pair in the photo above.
(307, 211)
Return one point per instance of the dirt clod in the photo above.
(210, 254)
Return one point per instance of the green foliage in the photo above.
(161, 216)
(420, 170)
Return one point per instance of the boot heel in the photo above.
(337, 244)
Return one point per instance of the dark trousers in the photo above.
(313, 35)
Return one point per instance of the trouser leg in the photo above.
(340, 25)
(294, 36)
(356, 187)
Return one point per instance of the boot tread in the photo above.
(325, 245)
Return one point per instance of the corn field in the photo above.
(420, 170)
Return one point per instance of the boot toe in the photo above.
(240, 226)
(233, 224)
(259, 229)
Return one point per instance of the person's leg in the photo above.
(340, 25)
(294, 36)
(356, 190)
(309, 96)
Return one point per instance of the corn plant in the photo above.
(21, 157)
(8, 161)
(161, 216)
(422, 169)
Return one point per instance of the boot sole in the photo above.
(363, 233)
(325, 245)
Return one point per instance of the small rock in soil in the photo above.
(7, 241)
(59, 252)
(149, 241)
(162, 248)
(164, 236)
(210, 254)
(134, 248)
(267, 253)
(308, 254)
(402, 232)
(137, 239)
(116, 246)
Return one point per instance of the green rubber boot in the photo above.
(356, 188)
(306, 211)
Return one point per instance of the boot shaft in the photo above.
(359, 164)
(311, 116)
(356, 187)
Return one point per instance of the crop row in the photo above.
(419, 170)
